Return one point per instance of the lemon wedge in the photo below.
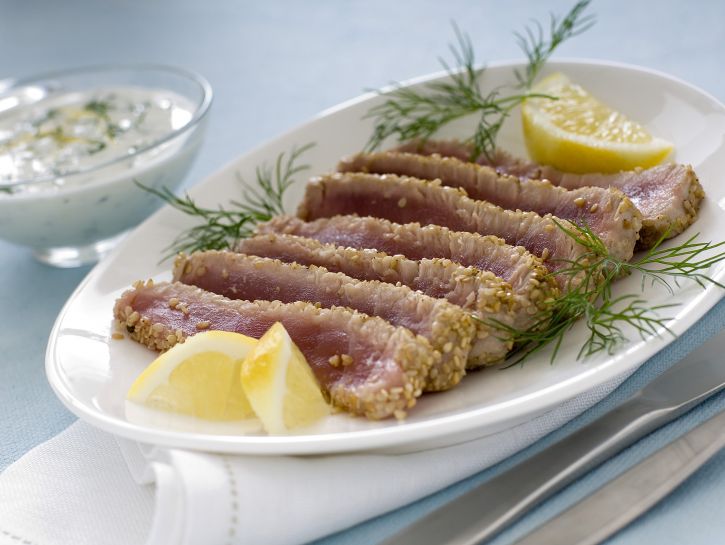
(578, 133)
(199, 377)
(280, 385)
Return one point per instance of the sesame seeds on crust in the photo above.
(655, 228)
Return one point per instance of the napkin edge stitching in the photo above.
(233, 492)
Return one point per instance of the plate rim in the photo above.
(389, 437)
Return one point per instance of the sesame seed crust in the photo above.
(612, 221)
(479, 292)
(673, 222)
(531, 286)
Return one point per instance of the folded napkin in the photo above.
(86, 487)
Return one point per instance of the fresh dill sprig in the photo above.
(221, 228)
(588, 294)
(538, 49)
(411, 114)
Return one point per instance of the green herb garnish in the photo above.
(410, 114)
(98, 107)
(101, 108)
(588, 295)
(221, 228)
(538, 49)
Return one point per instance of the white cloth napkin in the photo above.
(86, 487)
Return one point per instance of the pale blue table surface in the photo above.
(272, 66)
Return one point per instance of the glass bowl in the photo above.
(74, 217)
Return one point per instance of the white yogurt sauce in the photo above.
(55, 141)
(77, 131)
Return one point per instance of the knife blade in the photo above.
(619, 502)
(493, 505)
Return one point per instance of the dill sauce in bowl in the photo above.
(72, 144)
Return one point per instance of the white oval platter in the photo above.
(91, 372)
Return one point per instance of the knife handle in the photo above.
(487, 509)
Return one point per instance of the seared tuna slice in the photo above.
(668, 196)
(447, 327)
(479, 292)
(367, 366)
(406, 200)
(532, 285)
(607, 212)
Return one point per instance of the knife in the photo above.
(491, 506)
(619, 502)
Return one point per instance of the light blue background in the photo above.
(275, 64)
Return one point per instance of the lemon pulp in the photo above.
(198, 378)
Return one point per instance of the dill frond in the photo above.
(588, 294)
(221, 228)
(538, 48)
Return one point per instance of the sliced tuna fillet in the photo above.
(448, 328)
(384, 367)
(608, 212)
(531, 283)
(668, 196)
(479, 292)
(406, 200)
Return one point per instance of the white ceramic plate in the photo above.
(91, 372)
